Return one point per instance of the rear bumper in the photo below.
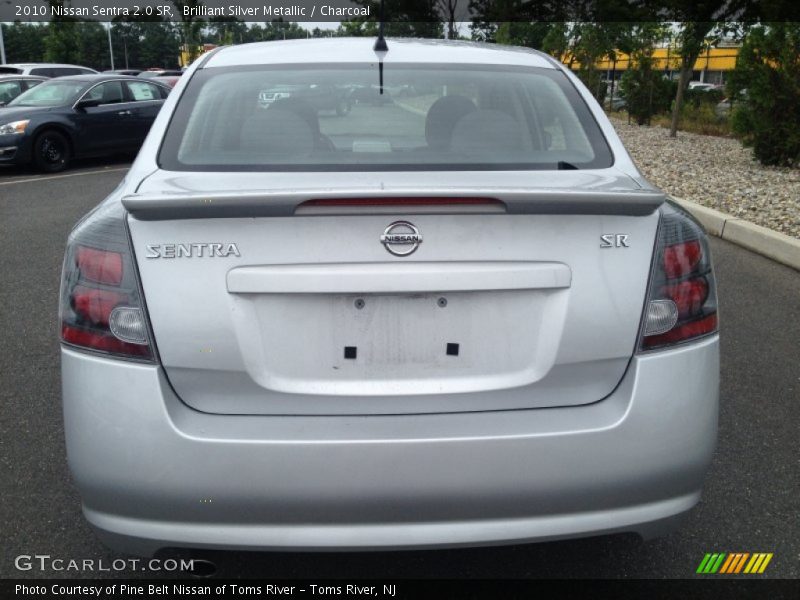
(154, 473)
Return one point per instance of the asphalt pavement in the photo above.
(752, 495)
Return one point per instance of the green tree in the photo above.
(191, 27)
(644, 88)
(768, 68)
(518, 33)
(159, 46)
(70, 40)
(692, 40)
(92, 42)
(592, 42)
(585, 43)
(357, 28)
(227, 30)
(448, 11)
(127, 38)
(490, 15)
(61, 43)
(701, 25)
(282, 30)
(556, 41)
(24, 42)
(402, 18)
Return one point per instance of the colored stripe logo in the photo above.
(734, 563)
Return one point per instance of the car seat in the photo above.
(442, 118)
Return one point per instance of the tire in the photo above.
(342, 108)
(51, 151)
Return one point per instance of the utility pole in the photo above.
(2, 47)
(110, 46)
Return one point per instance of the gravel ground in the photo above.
(716, 172)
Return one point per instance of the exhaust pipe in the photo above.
(203, 568)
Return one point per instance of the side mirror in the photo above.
(87, 103)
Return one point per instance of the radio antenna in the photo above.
(380, 43)
(380, 49)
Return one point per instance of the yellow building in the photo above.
(711, 66)
(185, 59)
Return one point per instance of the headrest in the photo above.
(487, 132)
(442, 118)
(277, 132)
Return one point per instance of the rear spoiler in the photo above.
(286, 204)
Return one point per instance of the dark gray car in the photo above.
(72, 117)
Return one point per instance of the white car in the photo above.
(459, 318)
(703, 87)
(45, 69)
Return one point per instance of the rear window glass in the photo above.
(425, 117)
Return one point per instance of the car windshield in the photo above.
(423, 117)
(50, 93)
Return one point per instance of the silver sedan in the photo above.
(456, 315)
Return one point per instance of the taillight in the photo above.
(101, 306)
(682, 298)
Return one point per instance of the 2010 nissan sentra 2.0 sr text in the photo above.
(357, 300)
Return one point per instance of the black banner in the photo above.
(260, 11)
(198, 588)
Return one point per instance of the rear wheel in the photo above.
(51, 151)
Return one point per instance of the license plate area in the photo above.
(400, 343)
(401, 331)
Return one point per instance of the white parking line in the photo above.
(34, 179)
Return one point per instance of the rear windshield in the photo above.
(423, 117)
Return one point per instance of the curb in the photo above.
(776, 246)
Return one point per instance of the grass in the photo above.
(694, 119)
(698, 119)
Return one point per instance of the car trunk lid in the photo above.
(287, 301)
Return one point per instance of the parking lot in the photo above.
(752, 495)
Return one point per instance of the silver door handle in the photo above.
(124, 112)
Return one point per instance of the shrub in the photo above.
(700, 97)
(593, 79)
(700, 119)
(646, 93)
(768, 119)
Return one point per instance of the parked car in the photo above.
(617, 102)
(45, 69)
(705, 87)
(168, 80)
(71, 117)
(131, 72)
(723, 108)
(369, 94)
(470, 323)
(12, 86)
(319, 97)
(161, 73)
